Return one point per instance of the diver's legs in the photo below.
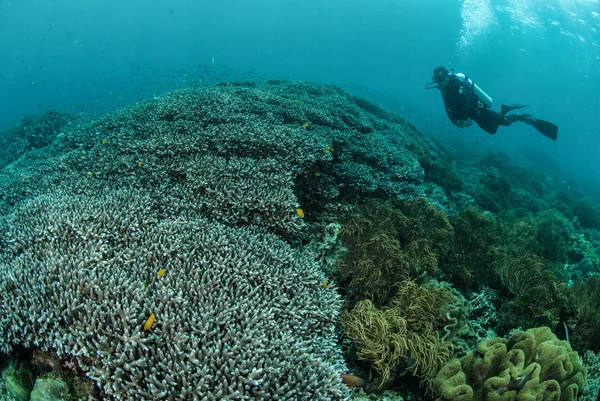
(510, 107)
(511, 118)
(489, 120)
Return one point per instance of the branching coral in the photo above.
(239, 313)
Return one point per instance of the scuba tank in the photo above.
(483, 97)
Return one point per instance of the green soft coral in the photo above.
(403, 336)
(388, 244)
(531, 365)
(578, 248)
(584, 309)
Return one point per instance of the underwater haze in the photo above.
(94, 56)
(262, 199)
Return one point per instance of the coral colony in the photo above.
(283, 240)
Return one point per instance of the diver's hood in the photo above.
(440, 73)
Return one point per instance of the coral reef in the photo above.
(475, 249)
(32, 132)
(403, 336)
(388, 244)
(237, 311)
(484, 315)
(584, 321)
(532, 364)
(206, 184)
(591, 391)
(202, 244)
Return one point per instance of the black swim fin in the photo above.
(510, 107)
(546, 128)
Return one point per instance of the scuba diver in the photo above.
(465, 102)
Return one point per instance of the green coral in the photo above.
(579, 248)
(577, 203)
(475, 249)
(493, 191)
(403, 336)
(538, 296)
(509, 256)
(387, 245)
(18, 380)
(436, 169)
(554, 231)
(584, 307)
(531, 365)
(50, 389)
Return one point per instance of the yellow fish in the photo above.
(161, 272)
(139, 163)
(149, 322)
(324, 284)
(104, 141)
(305, 125)
(300, 212)
(317, 174)
(329, 148)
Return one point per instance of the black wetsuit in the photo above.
(463, 105)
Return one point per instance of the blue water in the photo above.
(94, 56)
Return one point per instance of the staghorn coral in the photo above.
(152, 145)
(484, 316)
(239, 313)
(531, 365)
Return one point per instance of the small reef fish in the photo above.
(104, 141)
(317, 174)
(161, 272)
(305, 125)
(300, 212)
(329, 148)
(139, 163)
(352, 381)
(149, 322)
(324, 284)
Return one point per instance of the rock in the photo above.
(18, 380)
(50, 389)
